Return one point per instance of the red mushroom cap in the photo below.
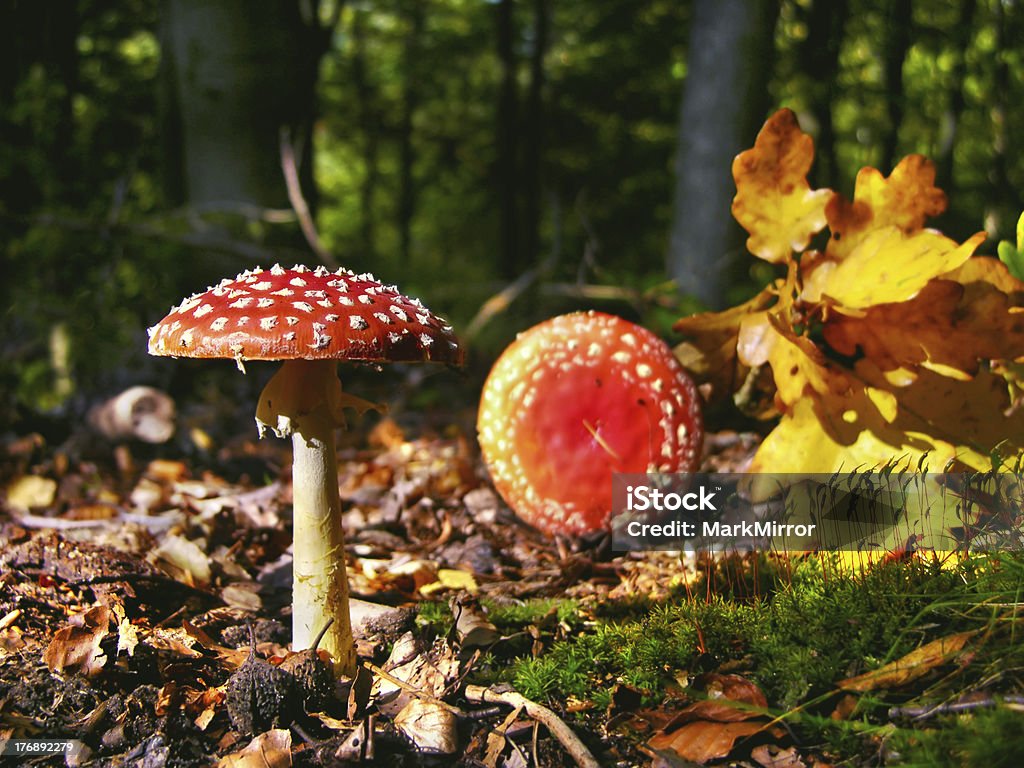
(299, 313)
(574, 400)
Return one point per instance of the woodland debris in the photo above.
(138, 413)
(576, 748)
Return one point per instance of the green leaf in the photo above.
(1013, 257)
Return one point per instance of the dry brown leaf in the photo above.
(429, 725)
(272, 749)
(771, 756)
(915, 664)
(947, 324)
(703, 741)
(76, 648)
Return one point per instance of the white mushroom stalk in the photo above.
(304, 401)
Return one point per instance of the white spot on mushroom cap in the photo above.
(357, 323)
(268, 323)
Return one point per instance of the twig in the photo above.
(414, 690)
(576, 748)
(499, 302)
(925, 712)
(291, 181)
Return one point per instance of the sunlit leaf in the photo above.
(904, 200)
(887, 266)
(774, 202)
(948, 325)
(915, 664)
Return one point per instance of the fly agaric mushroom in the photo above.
(310, 319)
(575, 399)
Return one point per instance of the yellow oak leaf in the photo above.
(886, 266)
(774, 202)
(799, 367)
(903, 200)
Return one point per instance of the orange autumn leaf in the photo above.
(915, 664)
(774, 202)
(703, 741)
(948, 324)
(709, 729)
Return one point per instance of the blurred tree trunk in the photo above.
(957, 98)
(508, 144)
(725, 99)
(898, 23)
(819, 61)
(235, 74)
(42, 35)
(369, 123)
(533, 148)
(410, 97)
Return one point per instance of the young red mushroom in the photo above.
(574, 400)
(310, 319)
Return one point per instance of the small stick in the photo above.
(576, 749)
(925, 712)
(414, 690)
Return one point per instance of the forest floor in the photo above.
(131, 587)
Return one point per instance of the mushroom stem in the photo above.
(320, 581)
(304, 400)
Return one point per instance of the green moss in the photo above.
(988, 737)
(811, 628)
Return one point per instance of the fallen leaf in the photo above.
(76, 648)
(429, 725)
(948, 324)
(772, 756)
(774, 202)
(915, 664)
(473, 627)
(703, 740)
(31, 492)
(272, 749)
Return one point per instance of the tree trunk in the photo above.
(819, 60)
(238, 72)
(898, 24)
(508, 145)
(957, 98)
(369, 123)
(724, 101)
(534, 144)
(410, 97)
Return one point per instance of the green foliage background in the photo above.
(93, 251)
